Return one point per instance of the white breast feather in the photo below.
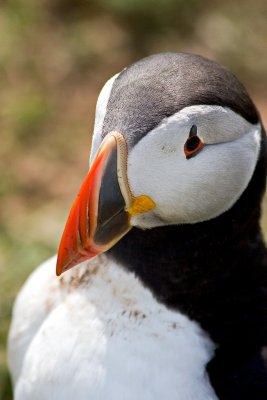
(97, 333)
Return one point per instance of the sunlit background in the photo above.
(54, 57)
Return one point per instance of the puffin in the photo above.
(168, 297)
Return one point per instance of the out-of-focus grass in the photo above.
(54, 57)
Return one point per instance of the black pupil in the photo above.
(192, 143)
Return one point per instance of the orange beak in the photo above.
(100, 215)
(98, 219)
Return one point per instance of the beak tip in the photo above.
(64, 262)
(59, 267)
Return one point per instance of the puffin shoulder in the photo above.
(38, 296)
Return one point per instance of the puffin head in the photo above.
(176, 141)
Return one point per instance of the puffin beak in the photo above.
(101, 213)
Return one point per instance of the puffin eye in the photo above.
(193, 143)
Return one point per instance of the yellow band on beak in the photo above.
(141, 204)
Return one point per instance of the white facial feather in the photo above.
(200, 188)
(101, 108)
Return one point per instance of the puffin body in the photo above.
(177, 306)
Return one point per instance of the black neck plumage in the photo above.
(213, 272)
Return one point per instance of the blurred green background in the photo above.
(54, 57)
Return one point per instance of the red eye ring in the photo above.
(192, 146)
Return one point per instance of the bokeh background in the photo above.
(54, 57)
